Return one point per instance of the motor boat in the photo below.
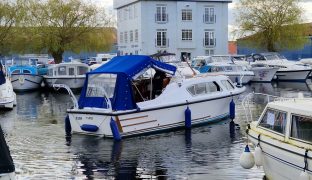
(7, 95)
(7, 168)
(282, 137)
(262, 71)
(117, 102)
(72, 74)
(237, 73)
(288, 70)
(25, 75)
(306, 61)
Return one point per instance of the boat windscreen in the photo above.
(101, 85)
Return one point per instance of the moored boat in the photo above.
(7, 95)
(24, 75)
(115, 100)
(282, 137)
(72, 74)
(263, 73)
(236, 73)
(288, 70)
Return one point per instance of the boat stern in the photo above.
(90, 124)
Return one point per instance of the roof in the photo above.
(123, 3)
(295, 106)
(132, 65)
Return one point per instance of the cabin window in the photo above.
(191, 90)
(50, 72)
(203, 88)
(301, 128)
(101, 85)
(227, 84)
(62, 70)
(228, 68)
(71, 71)
(16, 71)
(200, 88)
(212, 87)
(25, 71)
(274, 120)
(82, 70)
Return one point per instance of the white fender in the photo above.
(247, 159)
(258, 156)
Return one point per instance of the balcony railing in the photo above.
(161, 18)
(209, 43)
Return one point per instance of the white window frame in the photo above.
(121, 39)
(209, 15)
(187, 35)
(161, 38)
(209, 52)
(136, 35)
(131, 36)
(161, 15)
(126, 36)
(186, 14)
(209, 38)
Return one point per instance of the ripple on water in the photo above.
(35, 133)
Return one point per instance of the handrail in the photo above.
(70, 92)
(247, 99)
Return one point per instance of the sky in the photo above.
(305, 4)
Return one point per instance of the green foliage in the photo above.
(272, 24)
(9, 18)
(61, 25)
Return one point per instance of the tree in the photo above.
(272, 24)
(57, 26)
(8, 20)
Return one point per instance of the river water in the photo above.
(34, 131)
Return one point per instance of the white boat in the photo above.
(288, 70)
(306, 61)
(7, 95)
(72, 74)
(283, 137)
(114, 97)
(25, 75)
(263, 73)
(237, 73)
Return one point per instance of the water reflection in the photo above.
(182, 154)
(40, 149)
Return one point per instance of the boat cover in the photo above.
(6, 161)
(127, 68)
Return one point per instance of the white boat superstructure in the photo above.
(158, 107)
(288, 70)
(72, 74)
(7, 95)
(184, 68)
(262, 71)
(237, 73)
(283, 136)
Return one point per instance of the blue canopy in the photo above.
(127, 68)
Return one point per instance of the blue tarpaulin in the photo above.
(126, 68)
